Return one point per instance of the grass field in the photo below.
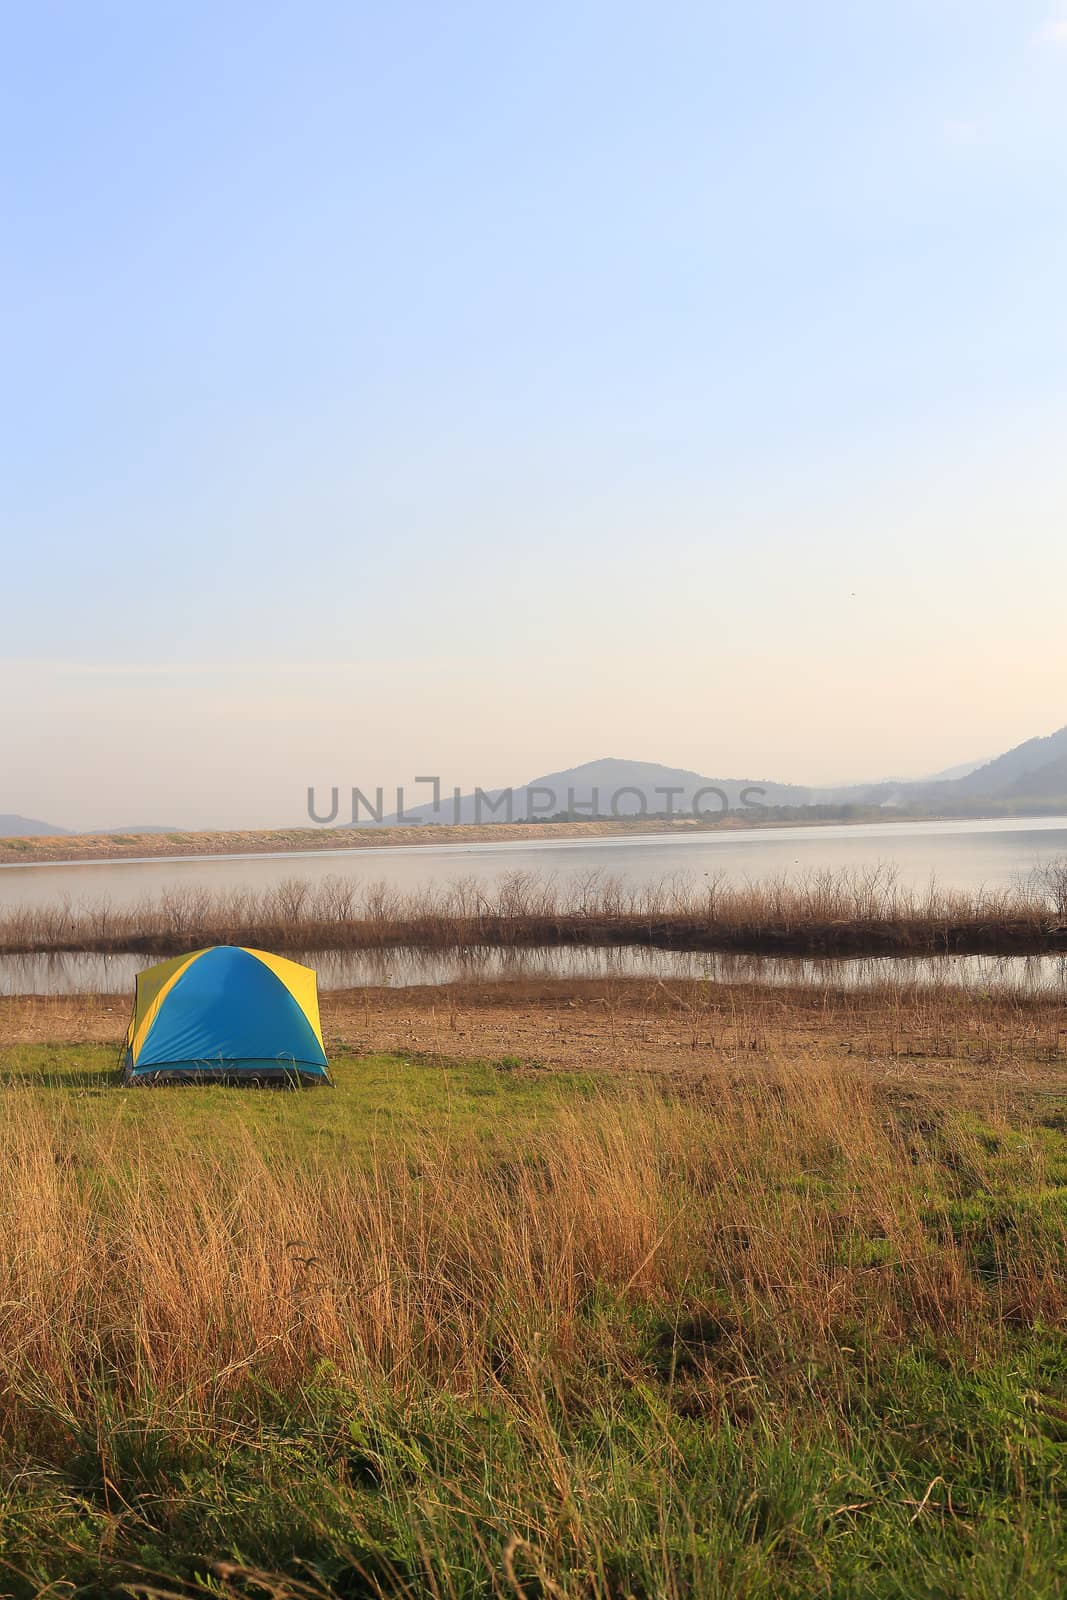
(788, 1320)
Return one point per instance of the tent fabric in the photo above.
(226, 1012)
(153, 986)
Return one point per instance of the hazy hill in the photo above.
(1027, 777)
(141, 827)
(963, 770)
(15, 827)
(609, 786)
(1049, 780)
(1014, 767)
(1033, 771)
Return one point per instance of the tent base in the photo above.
(250, 1074)
(230, 1080)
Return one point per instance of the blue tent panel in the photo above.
(228, 1012)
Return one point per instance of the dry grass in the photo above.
(28, 849)
(683, 1167)
(827, 913)
(771, 1312)
(429, 1260)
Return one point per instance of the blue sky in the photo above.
(482, 389)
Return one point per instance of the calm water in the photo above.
(963, 855)
(114, 975)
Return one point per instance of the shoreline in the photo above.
(84, 849)
(87, 849)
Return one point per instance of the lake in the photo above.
(401, 968)
(962, 855)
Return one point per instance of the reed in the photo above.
(843, 913)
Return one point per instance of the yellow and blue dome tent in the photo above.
(226, 1013)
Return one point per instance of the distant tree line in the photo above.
(853, 811)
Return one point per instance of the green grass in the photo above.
(686, 1441)
(917, 1474)
(371, 1098)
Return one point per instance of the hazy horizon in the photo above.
(402, 785)
(461, 391)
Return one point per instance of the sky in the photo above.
(478, 390)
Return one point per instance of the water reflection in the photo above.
(403, 968)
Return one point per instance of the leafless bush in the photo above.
(1052, 880)
(825, 913)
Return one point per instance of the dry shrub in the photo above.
(827, 912)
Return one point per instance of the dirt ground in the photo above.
(943, 1039)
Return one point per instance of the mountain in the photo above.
(608, 787)
(15, 827)
(137, 827)
(1024, 778)
(1029, 778)
(1020, 779)
(1049, 780)
(1023, 762)
(962, 771)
